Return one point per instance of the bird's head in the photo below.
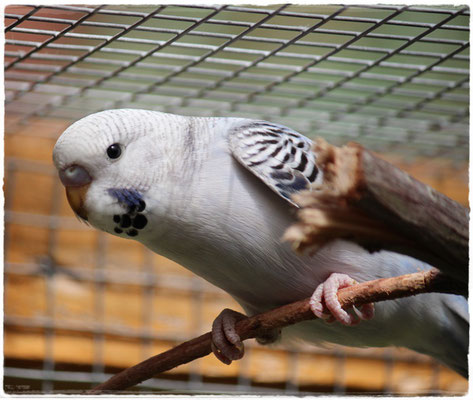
(109, 160)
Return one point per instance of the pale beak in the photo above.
(77, 180)
(76, 198)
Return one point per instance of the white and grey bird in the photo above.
(213, 194)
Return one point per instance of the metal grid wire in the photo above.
(394, 78)
(383, 75)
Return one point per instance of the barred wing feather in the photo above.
(279, 156)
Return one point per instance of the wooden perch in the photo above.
(372, 202)
(381, 289)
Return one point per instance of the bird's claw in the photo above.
(226, 343)
(326, 293)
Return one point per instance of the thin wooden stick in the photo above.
(381, 289)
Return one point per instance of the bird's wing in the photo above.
(279, 156)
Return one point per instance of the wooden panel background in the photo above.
(64, 278)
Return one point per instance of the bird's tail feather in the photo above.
(453, 336)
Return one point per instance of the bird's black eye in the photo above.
(114, 151)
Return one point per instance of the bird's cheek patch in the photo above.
(130, 198)
(76, 198)
(133, 220)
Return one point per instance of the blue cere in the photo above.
(129, 197)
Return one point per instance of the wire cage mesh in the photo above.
(78, 304)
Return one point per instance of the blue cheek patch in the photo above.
(133, 219)
(128, 197)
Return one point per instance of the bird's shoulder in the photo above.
(279, 156)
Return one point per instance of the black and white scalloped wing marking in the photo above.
(279, 156)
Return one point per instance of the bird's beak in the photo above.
(76, 198)
(77, 181)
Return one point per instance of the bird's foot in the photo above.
(326, 293)
(226, 343)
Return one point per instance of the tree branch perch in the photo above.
(378, 290)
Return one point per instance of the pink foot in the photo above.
(326, 293)
(226, 343)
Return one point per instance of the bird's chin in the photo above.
(76, 198)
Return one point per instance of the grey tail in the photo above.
(452, 336)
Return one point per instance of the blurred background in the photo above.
(80, 305)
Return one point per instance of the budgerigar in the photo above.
(214, 195)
